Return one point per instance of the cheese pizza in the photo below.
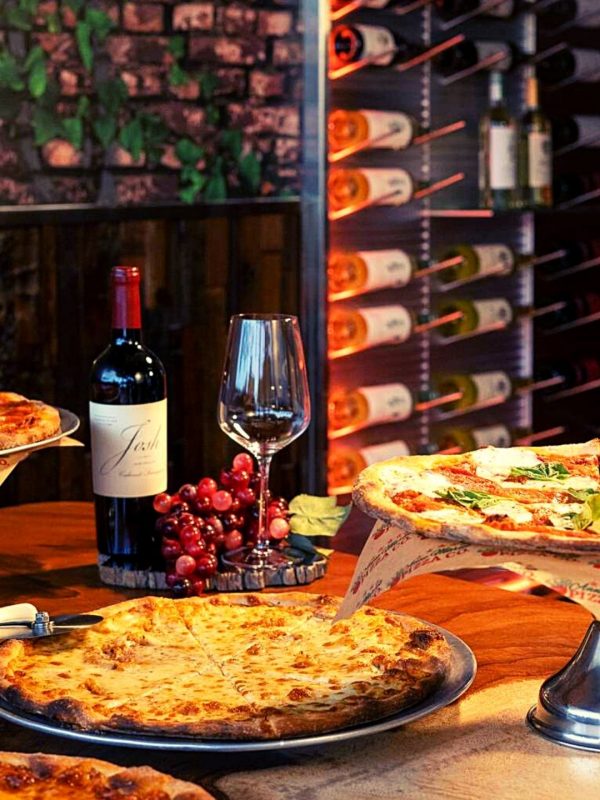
(231, 666)
(540, 498)
(37, 776)
(24, 421)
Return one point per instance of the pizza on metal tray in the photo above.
(538, 498)
(39, 776)
(24, 421)
(230, 666)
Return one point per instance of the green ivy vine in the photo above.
(106, 118)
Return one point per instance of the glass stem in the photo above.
(262, 540)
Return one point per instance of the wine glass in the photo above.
(264, 404)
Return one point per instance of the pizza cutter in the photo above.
(24, 621)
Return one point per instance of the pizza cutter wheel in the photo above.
(24, 621)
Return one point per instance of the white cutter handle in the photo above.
(19, 612)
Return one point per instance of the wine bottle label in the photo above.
(487, 49)
(378, 44)
(492, 312)
(494, 258)
(390, 187)
(380, 452)
(490, 385)
(539, 146)
(502, 10)
(589, 130)
(386, 268)
(503, 157)
(587, 65)
(494, 435)
(129, 449)
(394, 130)
(386, 324)
(588, 14)
(391, 401)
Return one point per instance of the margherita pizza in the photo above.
(24, 421)
(44, 777)
(231, 666)
(539, 498)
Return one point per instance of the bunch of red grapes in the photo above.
(202, 521)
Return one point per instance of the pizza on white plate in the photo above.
(24, 421)
(539, 498)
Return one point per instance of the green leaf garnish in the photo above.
(316, 516)
(550, 471)
(469, 499)
(589, 514)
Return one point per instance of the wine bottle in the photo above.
(449, 9)
(569, 187)
(344, 464)
(353, 273)
(470, 53)
(462, 440)
(370, 129)
(379, 186)
(573, 308)
(352, 329)
(382, 46)
(476, 388)
(535, 152)
(369, 405)
(570, 254)
(477, 315)
(584, 13)
(337, 4)
(568, 65)
(128, 425)
(498, 152)
(481, 260)
(574, 372)
(580, 130)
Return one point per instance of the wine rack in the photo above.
(428, 224)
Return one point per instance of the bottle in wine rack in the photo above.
(480, 260)
(574, 372)
(379, 186)
(569, 187)
(535, 152)
(353, 329)
(353, 273)
(505, 9)
(498, 187)
(580, 130)
(569, 255)
(469, 53)
(462, 440)
(368, 129)
(344, 464)
(568, 65)
(562, 13)
(380, 45)
(128, 425)
(393, 4)
(477, 315)
(476, 388)
(572, 308)
(370, 405)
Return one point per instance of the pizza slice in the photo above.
(542, 498)
(24, 421)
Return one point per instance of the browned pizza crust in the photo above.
(232, 666)
(24, 421)
(38, 775)
(373, 494)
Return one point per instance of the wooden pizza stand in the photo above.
(480, 746)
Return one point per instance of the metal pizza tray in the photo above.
(459, 677)
(69, 423)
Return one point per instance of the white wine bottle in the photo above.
(535, 152)
(379, 186)
(480, 260)
(498, 187)
(344, 464)
(353, 273)
(353, 329)
(568, 65)
(382, 46)
(369, 129)
(476, 388)
(370, 405)
(462, 440)
(477, 315)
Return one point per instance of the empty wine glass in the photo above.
(264, 405)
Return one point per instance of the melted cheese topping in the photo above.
(402, 479)
(449, 515)
(497, 462)
(506, 508)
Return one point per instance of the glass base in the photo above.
(259, 560)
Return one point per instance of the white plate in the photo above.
(69, 423)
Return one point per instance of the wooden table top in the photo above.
(47, 556)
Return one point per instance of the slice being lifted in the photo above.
(24, 421)
(538, 498)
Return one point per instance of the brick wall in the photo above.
(250, 50)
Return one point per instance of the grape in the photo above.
(207, 487)
(198, 587)
(171, 579)
(170, 549)
(202, 504)
(206, 565)
(279, 528)
(221, 500)
(225, 478)
(196, 548)
(233, 540)
(182, 588)
(254, 482)
(244, 461)
(215, 523)
(170, 527)
(211, 547)
(209, 533)
(247, 497)
(189, 533)
(180, 507)
(231, 521)
(185, 565)
(280, 501)
(162, 503)
(252, 529)
(186, 519)
(235, 505)
(219, 541)
(240, 479)
(188, 492)
(275, 511)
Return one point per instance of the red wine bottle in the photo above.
(581, 13)
(128, 425)
(573, 308)
(573, 372)
(580, 130)
(568, 65)
(572, 254)
(569, 187)
(469, 53)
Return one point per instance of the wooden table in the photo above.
(47, 555)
